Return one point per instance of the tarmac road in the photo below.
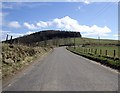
(62, 70)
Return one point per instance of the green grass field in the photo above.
(91, 41)
(101, 50)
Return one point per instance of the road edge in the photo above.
(8, 81)
(95, 62)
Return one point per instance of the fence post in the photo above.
(106, 52)
(91, 50)
(100, 51)
(95, 51)
(11, 40)
(114, 53)
(7, 37)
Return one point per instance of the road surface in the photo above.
(62, 70)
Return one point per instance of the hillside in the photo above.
(43, 36)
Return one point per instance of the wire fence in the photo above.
(100, 52)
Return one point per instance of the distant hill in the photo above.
(44, 35)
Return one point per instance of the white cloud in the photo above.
(29, 32)
(42, 24)
(14, 24)
(38, 25)
(86, 1)
(67, 23)
(99, 31)
(30, 26)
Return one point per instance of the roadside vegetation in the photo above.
(103, 51)
(15, 57)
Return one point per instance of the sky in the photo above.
(91, 19)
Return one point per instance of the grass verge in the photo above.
(113, 63)
(16, 57)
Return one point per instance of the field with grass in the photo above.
(91, 41)
(110, 51)
(103, 51)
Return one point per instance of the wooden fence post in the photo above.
(7, 37)
(100, 51)
(95, 51)
(84, 50)
(114, 53)
(106, 52)
(11, 40)
(91, 50)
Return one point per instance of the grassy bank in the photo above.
(15, 57)
(113, 62)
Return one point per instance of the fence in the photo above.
(101, 52)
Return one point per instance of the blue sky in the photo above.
(91, 19)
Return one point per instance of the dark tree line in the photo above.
(43, 36)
